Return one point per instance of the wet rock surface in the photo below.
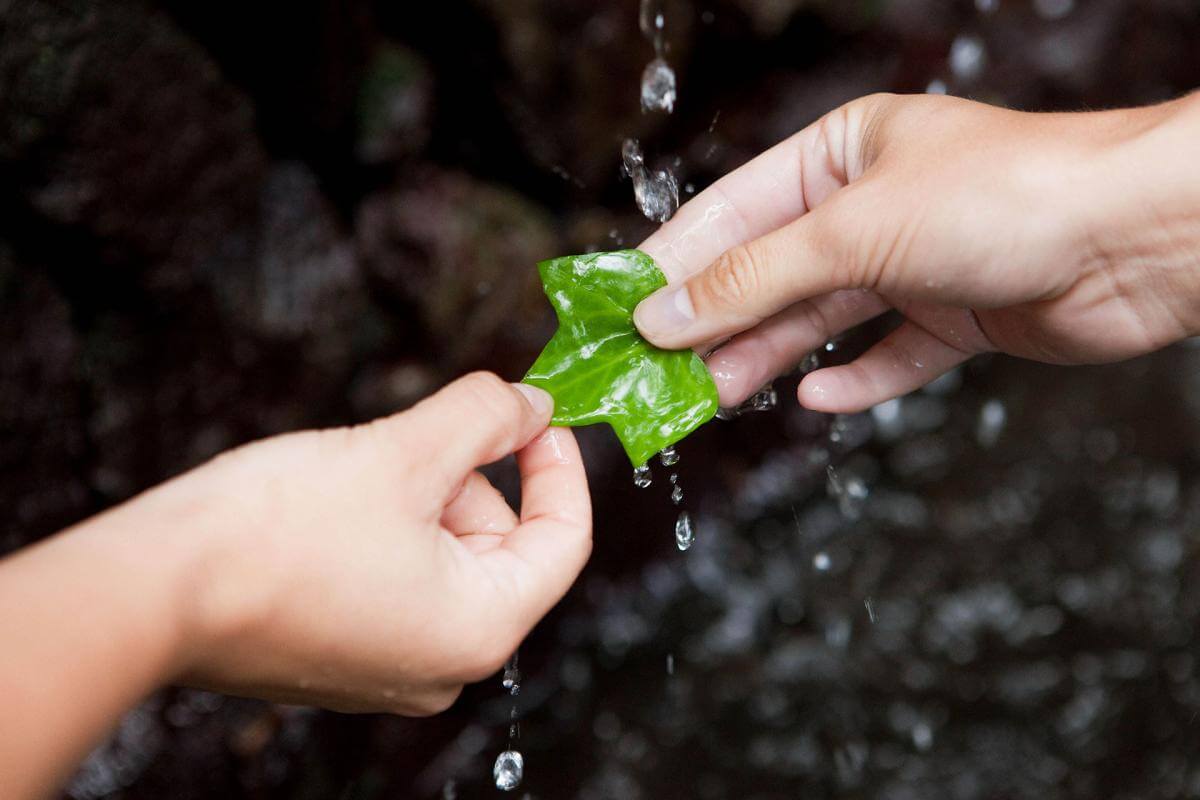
(222, 222)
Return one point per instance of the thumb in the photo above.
(476, 420)
(750, 282)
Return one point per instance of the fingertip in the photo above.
(539, 399)
(730, 375)
(822, 390)
(664, 317)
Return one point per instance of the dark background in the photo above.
(219, 221)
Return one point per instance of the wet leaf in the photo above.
(598, 367)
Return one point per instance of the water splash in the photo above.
(685, 534)
(656, 191)
(642, 477)
(509, 770)
(850, 492)
(512, 676)
(658, 87)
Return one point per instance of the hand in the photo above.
(373, 568)
(361, 569)
(1066, 238)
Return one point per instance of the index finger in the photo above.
(766, 193)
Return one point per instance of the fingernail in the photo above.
(540, 399)
(665, 312)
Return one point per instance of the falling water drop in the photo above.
(658, 87)
(849, 491)
(677, 495)
(870, 610)
(669, 457)
(992, 418)
(642, 476)
(512, 676)
(670, 663)
(656, 191)
(685, 534)
(509, 769)
(821, 562)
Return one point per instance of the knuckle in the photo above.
(492, 402)
(734, 279)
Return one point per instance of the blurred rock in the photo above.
(462, 256)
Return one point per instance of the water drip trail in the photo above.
(509, 768)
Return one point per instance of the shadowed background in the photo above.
(220, 221)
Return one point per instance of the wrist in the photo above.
(1145, 224)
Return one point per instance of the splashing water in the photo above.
(656, 191)
(850, 492)
(658, 87)
(509, 770)
(512, 676)
(765, 399)
(669, 458)
(685, 534)
(642, 477)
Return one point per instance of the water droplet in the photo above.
(849, 491)
(670, 663)
(669, 457)
(677, 495)
(811, 363)
(685, 535)
(509, 769)
(992, 418)
(642, 476)
(870, 610)
(512, 676)
(656, 191)
(658, 87)
(968, 56)
(822, 562)
(1053, 9)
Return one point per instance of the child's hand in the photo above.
(1066, 238)
(361, 569)
(373, 568)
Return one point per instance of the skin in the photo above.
(359, 569)
(1064, 238)
(374, 569)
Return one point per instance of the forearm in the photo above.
(90, 623)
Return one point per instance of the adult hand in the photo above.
(1066, 238)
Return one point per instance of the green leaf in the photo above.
(597, 366)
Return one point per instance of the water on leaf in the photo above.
(642, 476)
(508, 771)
